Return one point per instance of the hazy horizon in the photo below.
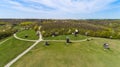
(60, 9)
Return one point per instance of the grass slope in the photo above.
(4, 39)
(31, 34)
(11, 48)
(80, 54)
(63, 37)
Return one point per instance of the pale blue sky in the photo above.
(60, 9)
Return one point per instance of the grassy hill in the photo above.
(11, 48)
(30, 33)
(59, 54)
(77, 54)
(63, 37)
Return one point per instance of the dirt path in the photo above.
(23, 53)
(65, 40)
(36, 42)
(48, 40)
(4, 41)
(23, 39)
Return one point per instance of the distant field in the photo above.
(79, 54)
(30, 33)
(11, 48)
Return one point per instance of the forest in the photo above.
(106, 28)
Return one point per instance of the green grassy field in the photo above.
(31, 34)
(63, 37)
(11, 48)
(1, 40)
(79, 54)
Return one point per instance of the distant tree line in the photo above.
(97, 28)
(93, 27)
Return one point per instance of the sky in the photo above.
(60, 9)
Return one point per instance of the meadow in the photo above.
(30, 33)
(77, 54)
(85, 50)
(11, 48)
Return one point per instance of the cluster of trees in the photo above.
(7, 33)
(97, 28)
(6, 30)
(29, 25)
(68, 27)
